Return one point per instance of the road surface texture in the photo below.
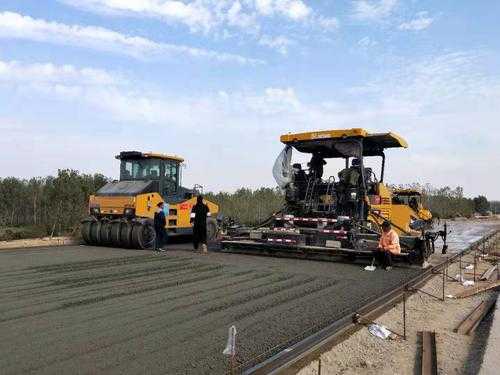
(82, 309)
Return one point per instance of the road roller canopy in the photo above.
(340, 143)
(147, 155)
(149, 166)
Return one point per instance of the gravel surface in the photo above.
(103, 310)
(364, 354)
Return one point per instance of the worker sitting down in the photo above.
(387, 246)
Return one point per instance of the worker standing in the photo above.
(160, 222)
(316, 166)
(200, 211)
(388, 245)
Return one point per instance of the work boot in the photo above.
(204, 249)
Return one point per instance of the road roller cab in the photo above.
(121, 212)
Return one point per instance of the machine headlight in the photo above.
(353, 195)
(129, 212)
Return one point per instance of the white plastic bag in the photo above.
(282, 170)
(379, 330)
(371, 267)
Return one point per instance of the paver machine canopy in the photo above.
(356, 188)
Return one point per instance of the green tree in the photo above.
(481, 204)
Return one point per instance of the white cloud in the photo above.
(279, 43)
(292, 9)
(373, 10)
(120, 99)
(367, 42)
(220, 18)
(199, 15)
(328, 23)
(273, 101)
(13, 71)
(237, 17)
(436, 102)
(437, 82)
(17, 26)
(420, 22)
(265, 7)
(196, 15)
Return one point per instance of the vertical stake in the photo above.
(475, 263)
(319, 365)
(404, 314)
(498, 271)
(460, 265)
(444, 274)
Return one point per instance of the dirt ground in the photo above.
(36, 242)
(363, 353)
(105, 310)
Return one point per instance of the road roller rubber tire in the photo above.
(143, 236)
(85, 231)
(126, 235)
(105, 233)
(116, 227)
(95, 232)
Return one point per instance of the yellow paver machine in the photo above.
(121, 212)
(339, 215)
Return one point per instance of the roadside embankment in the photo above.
(37, 242)
(457, 353)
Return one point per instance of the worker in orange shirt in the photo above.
(387, 246)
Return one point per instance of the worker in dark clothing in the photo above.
(300, 180)
(200, 211)
(160, 222)
(316, 165)
(350, 177)
(413, 203)
(300, 175)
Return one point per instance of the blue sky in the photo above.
(217, 81)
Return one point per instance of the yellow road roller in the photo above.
(121, 212)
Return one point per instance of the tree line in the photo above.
(57, 204)
(248, 206)
(54, 204)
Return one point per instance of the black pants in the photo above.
(383, 258)
(161, 238)
(199, 235)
